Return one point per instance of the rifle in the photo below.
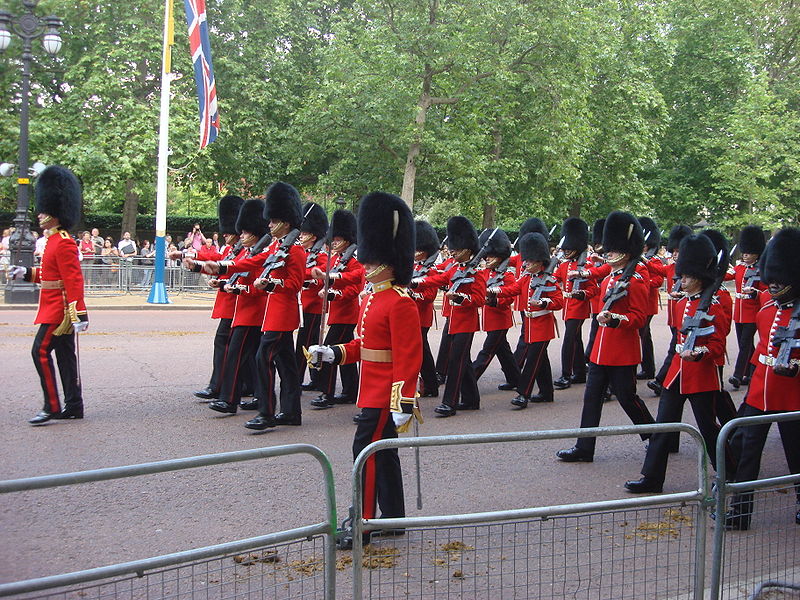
(751, 275)
(539, 282)
(467, 274)
(256, 248)
(620, 288)
(691, 327)
(499, 274)
(785, 338)
(576, 283)
(278, 258)
(311, 259)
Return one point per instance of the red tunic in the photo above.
(656, 281)
(388, 321)
(309, 297)
(344, 305)
(209, 253)
(424, 295)
(768, 390)
(282, 311)
(498, 317)
(59, 264)
(597, 272)
(573, 307)
(540, 322)
(745, 308)
(703, 375)
(619, 346)
(464, 317)
(225, 303)
(250, 302)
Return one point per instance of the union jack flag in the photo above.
(203, 71)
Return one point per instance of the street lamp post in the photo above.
(27, 27)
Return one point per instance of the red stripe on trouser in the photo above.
(532, 380)
(49, 371)
(270, 399)
(370, 498)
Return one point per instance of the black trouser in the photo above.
(340, 333)
(648, 357)
(460, 374)
(276, 352)
(593, 325)
(221, 338)
(747, 444)
(573, 361)
(242, 347)
(64, 345)
(381, 477)
(622, 380)
(443, 356)
(427, 373)
(662, 372)
(519, 351)
(536, 367)
(307, 336)
(496, 344)
(745, 332)
(670, 409)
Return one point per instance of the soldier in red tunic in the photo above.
(496, 313)
(616, 350)
(596, 303)
(346, 283)
(578, 293)
(652, 242)
(775, 384)
(427, 252)
(748, 284)
(693, 373)
(62, 312)
(224, 303)
(312, 238)
(387, 346)
(540, 298)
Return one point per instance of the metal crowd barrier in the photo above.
(131, 276)
(212, 571)
(767, 555)
(638, 547)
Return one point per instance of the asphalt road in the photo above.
(139, 369)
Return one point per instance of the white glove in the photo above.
(323, 353)
(493, 290)
(401, 419)
(80, 326)
(17, 272)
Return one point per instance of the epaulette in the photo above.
(401, 291)
(637, 275)
(64, 234)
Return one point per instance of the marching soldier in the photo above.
(387, 346)
(427, 251)
(693, 373)
(652, 242)
(532, 225)
(748, 285)
(775, 384)
(346, 283)
(62, 313)
(312, 238)
(596, 302)
(541, 297)
(496, 313)
(224, 303)
(578, 293)
(616, 351)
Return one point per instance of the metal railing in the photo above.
(135, 275)
(770, 547)
(175, 582)
(543, 552)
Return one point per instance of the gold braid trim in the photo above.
(70, 317)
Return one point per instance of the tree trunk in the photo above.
(130, 209)
(575, 206)
(489, 213)
(410, 173)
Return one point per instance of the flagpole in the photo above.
(158, 293)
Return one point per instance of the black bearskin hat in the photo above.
(343, 225)
(499, 245)
(59, 194)
(575, 232)
(751, 240)
(388, 234)
(532, 225)
(779, 263)
(697, 258)
(534, 247)
(649, 226)
(720, 244)
(228, 212)
(623, 233)
(461, 235)
(315, 221)
(283, 204)
(251, 218)
(676, 234)
(427, 240)
(597, 234)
